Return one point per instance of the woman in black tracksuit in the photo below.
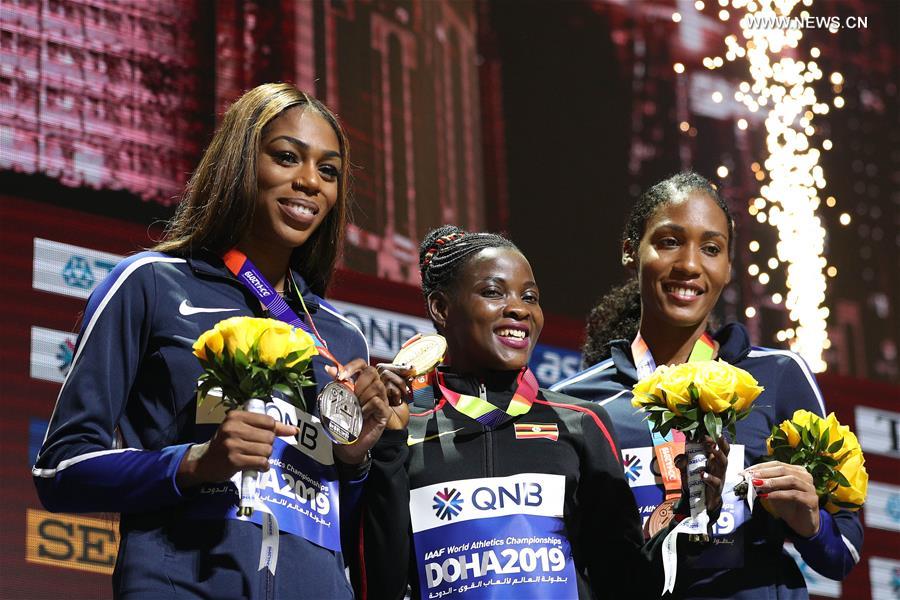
(496, 488)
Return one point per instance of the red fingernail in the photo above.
(764, 495)
(757, 482)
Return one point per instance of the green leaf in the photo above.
(694, 393)
(713, 425)
(667, 416)
(839, 477)
(836, 445)
(692, 414)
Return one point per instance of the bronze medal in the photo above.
(340, 412)
(422, 353)
(660, 518)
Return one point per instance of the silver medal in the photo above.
(340, 413)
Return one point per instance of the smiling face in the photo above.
(491, 316)
(298, 172)
(682, 263)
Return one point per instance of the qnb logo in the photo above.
(633, 467)
(77, 273)
(65, 352)
(893, 507)
(529, 494)
(447, 504)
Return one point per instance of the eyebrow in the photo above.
(707, 235)
(304, 146)
(498, 279)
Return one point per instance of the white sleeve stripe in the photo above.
(853, 551)
(803, 367)
(51, 473)
(602, 366)
(611, 398)
(351, 323)
(90, 326)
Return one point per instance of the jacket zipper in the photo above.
(488, 440)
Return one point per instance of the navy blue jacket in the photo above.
(763, 568)
(125, 416)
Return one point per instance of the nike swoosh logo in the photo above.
(187, 310)
(411, 441)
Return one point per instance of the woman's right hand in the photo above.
(242, 441)
(396, 382)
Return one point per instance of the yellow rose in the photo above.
(853, 468)
(747, 389)
(716, 382)
(274, 343)
(675, 381)
(793, 436)
(647, 387)
(804, 418)
(241, 333)
(209, 340)
(302, 342)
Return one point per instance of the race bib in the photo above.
(496, 537)
(726, 549)
(300, 488)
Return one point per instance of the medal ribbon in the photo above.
(486, 413)
(247, 273)
(665, 449)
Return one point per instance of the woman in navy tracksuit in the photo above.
(679, 241)
(127, 435)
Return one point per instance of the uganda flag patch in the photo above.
(533, 431)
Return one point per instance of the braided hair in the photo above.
(446, 249)
(617, 315)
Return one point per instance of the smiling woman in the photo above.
(494, 488)
(264, 212)
(678, 243)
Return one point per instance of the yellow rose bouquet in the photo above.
(697, 398)
(829, 451)
(250, 359)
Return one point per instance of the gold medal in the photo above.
(422, 353)
(340, 412)
(660, 518)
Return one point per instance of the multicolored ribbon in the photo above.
(484, 412)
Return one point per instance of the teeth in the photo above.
(514, 333)
(682, 291)
(301, 208)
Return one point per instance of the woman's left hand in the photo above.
(372, 396)
(790, 491)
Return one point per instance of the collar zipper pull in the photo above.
(482, 391)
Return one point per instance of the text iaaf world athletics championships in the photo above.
(755, 22)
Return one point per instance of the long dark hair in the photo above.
(617, 315)
(216, 209)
